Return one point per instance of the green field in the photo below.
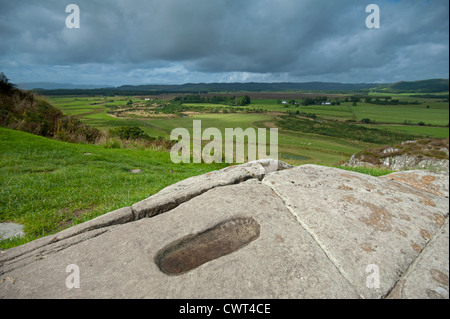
(400, 114)
(435, 132)
(295, 146)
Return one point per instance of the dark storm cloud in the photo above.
(227, 39)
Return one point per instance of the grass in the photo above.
(372, 171)
(48, 185)
(434, 132)
(398, 114)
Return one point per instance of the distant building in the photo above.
(284, 102)
(326, 103)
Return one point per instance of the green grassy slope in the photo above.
(49, 185)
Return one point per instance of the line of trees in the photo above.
(226, 100)
(387, 100)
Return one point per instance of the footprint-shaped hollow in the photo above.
(193, 251)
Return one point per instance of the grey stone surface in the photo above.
(436, 184)
(360, 220)
(303, 232)
(183, 191)
(427, 277)
(11, 230)
(284, 262)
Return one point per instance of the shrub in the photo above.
(25, 111)
(5, 85)
(126, 133)
(112, 144)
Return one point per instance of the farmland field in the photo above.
(437, 132)
(329, 145)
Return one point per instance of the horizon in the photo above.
(270, 41)
(28, 85)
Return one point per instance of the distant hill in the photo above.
(196, 88)
(426, 86)
(252, 87)
(56, 86)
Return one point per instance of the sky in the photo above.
(202, 41)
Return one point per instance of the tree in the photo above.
(5, 85)
(3, 78)
(243, 100)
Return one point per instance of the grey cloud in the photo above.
(288, 39)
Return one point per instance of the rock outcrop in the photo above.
(429, 154)
(259, 230)
(11, 230)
